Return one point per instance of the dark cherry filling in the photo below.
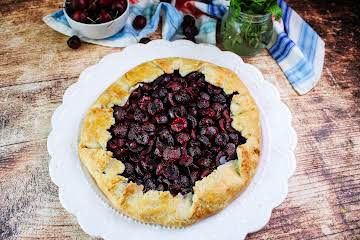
(173, 132)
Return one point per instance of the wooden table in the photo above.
(36, 67)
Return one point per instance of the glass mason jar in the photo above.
(246, 34)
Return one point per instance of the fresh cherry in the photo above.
(139, 22)
(188, 20)
(144, 40)
(190, 31)
(105, 3)
(79, 4)
(79, 16)
(74, 42)
(104, 16)
(119, 6)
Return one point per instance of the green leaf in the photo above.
(276, 11)
(256, 7)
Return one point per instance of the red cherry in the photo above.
(139, 22)
(79, 16)
(105, 2)
(178, 124)
(79, 4)
(74, 43)
(119, 6)
(104, 16)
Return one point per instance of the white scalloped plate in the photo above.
(248, 213)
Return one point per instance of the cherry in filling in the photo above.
(173, 132)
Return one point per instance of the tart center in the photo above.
(173, 132)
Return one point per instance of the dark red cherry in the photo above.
(188, 20)
(183, 138)
(190, 31)
(79, 4)
(142, 138)
(171, 154)
(205, 173)
(105, 3)
(104, 17)
(171, 172)
(145, 40)
(186, 160)
(79, 16)
(74, 42)
(155, 107)
(119, 6)
(204, 162)
(139, 22)
(230, 149)
(178, 124)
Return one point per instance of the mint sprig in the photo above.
(256, 7)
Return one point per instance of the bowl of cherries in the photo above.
(96, 19)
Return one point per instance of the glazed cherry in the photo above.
(171, 153)
(139, 22)
(178, 124)
(74, 42)
(173, 132)
(183, 138)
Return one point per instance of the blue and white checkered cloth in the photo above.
(295, 46)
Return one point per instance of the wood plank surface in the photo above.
(36, 67)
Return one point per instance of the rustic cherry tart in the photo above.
(172, 141)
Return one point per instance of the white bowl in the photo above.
(101, 30)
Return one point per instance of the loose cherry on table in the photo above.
(139, 22)
(144, 40)
(74, 42)
(189, 28)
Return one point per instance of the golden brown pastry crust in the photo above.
(211, 194)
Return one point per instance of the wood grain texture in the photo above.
(36, 67)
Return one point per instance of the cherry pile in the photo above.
(173, 132)
(95, 11)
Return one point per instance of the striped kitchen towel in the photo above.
(296, 47)
(298, 50)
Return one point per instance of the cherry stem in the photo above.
(91, 20)
(113, 18)
(92, 3)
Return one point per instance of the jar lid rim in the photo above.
(255, 17)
